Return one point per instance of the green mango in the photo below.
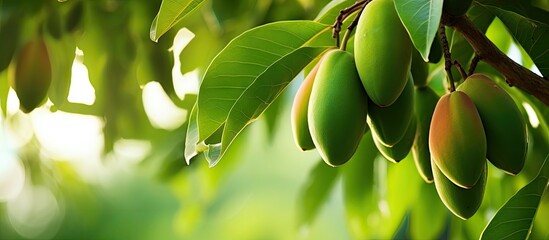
(463, 203)
(401, 149)
(505, 129)
(456, 139)
(425, 101)
(300, 125)
(32, 77)
(389, 124)
(383, 52)
(338, 107)
(419, 70)
(456, 7)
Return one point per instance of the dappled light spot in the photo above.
(35, 213)
(12, 103)
(12, 174)
(18, 130)
(188, 82)
(160, 110)
(68, 136)
(81, 90)
(532, 117)
(132, 151)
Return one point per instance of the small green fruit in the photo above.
(425, 102)
(504, 126)
(383, 52)
(456, 139)
(338, 107)
(32, 77)
(463, 203)
(300, 125)
(401, 149)
(389, 124)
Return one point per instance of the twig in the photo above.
(447, 57)
(460, 70)
(344, 14)
(474, 64)
(352, 26)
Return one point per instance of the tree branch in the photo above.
(515, 74)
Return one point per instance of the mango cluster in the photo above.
(381, 85)
(479, 121)
(346, 94)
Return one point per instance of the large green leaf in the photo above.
(358, 184)
(421, 19)
(532, 35)
(315, 191)
(249, 73)
(514, 220)
(526, 8)
(170, 13)
(329, 13)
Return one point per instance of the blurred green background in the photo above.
(103, 157)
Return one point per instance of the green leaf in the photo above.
(403, 230)
(532, 35)
(525, 8)
(329, 13)
(62, 52)
(246, 77)
(358, 185)
(316, 191)
(421, 19)
(514, 220)
(191, 140)
(170, 13)
(428, 206)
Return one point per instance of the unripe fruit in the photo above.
(503, 124)
(300, 125)
(419, 70)
(390, 123)
(401, 149)
(338, 107)
(32, 77)
(383, 52)
(456, 139)
(425, 101)
(456, 7)
(463, 203)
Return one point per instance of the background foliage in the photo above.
(104, 159)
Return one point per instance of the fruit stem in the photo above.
(460, 69)
(447, 57)
(473, 65)
(351, 27)
(344, 14)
